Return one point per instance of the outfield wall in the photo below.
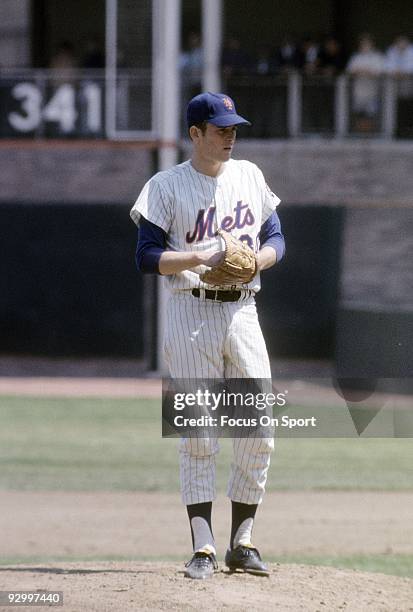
(359, 172)
(68, 283)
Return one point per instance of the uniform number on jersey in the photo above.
(248, 240)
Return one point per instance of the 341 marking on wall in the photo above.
(60, 109)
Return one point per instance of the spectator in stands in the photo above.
(191, 60)
(64, 58)
(263, 62)
(64, 63)
(286, 57)
(308, 56)
(265, 90)
(365, 66)
(331, 58)
(399, 57)
(235, 61)
(399, 63)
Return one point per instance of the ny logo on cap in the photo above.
(228, 104)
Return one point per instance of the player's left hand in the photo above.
(237, 266)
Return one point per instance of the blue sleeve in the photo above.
(270, 235)
(151, 245)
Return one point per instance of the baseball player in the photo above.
(212, 326)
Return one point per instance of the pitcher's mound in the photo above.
(162, 586)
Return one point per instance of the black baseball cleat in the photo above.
(202, 565)
(246, 559)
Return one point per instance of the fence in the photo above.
(93, 104)
(296, 106)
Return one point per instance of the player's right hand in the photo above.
(211, 257)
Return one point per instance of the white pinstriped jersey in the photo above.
(190, 206)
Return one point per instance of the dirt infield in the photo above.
(56, 386)
(161, 586)
(152, 525)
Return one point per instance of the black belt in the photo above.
(218, 295)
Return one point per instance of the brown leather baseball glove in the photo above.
(238, 266)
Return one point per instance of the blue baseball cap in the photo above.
(216, 108)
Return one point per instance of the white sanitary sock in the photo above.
(203, 538)
(243, 534)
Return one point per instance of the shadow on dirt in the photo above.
(59, 570)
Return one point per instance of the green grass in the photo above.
(395, 565)
(104, 444)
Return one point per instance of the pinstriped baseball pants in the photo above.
(208, 339)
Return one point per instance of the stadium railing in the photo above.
(75, 103)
